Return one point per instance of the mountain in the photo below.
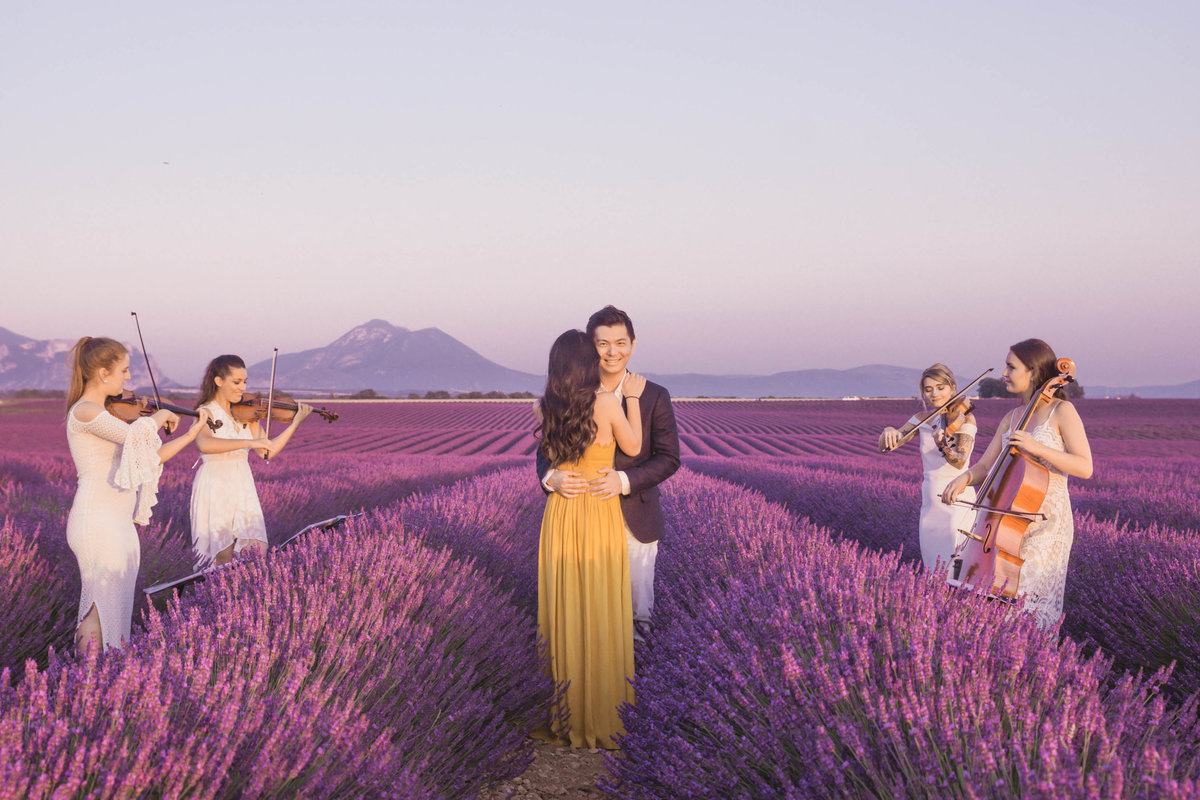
(395, 361)
(392, 361)
(874, 380)
(42, 364)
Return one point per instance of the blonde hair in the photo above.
(940, 373)
(87, 357)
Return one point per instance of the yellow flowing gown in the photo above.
(585, 609)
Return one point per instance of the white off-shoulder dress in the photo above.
(225, 506)
(118, 470)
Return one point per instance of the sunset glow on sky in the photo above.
(763, 186)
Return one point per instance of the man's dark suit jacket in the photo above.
(657, 461)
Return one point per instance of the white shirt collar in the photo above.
(620, 390)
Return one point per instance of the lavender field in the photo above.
(798, 651)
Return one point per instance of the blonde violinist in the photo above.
(1054, 436)
(119, 464)
(946, 443)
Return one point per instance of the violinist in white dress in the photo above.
(943, 458)
(1054, 436)
(119, 464)
(227, 517)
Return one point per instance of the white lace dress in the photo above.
(118, 470)
(940, 523)
(1046, 548)
(225, 507)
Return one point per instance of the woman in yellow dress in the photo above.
(585, 610)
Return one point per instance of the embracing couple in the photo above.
(606, 433)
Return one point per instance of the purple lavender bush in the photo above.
(875, 501)
(785, 664)
(491, 521)
(879, 509)
(1142, 492)
(1136, 594)
(37, 491)
(357, 664)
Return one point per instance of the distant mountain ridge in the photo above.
(873, 380)
(392, 360)
(42, 364)
(1189, 390)
(396, 361)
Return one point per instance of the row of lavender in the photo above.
(785, 663)
(39, 582)
(1133, 585)
(394, 658)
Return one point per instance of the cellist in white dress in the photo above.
(1056, 437)
(118, 464)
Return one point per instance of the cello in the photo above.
(1008, 501)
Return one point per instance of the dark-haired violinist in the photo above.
(946, 446)
(1053, 436)
(227, 516)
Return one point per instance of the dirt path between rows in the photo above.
(556, 772)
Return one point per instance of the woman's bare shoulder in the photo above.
(607, 400)
(86, 410)
(1067, 409)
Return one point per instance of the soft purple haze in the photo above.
(763, 186)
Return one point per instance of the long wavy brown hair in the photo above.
(219, 367)
(1039, 358)
(87, 357)
(567, 426)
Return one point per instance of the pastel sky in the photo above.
(764, 186)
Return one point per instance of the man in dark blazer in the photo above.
(635, 478)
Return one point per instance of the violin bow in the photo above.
(938, 410)
(270, 400)
(146, 355)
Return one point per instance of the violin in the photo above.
(282, 409)
(1008, 501)
(945, 408)
(129, 407)
(952, 418)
